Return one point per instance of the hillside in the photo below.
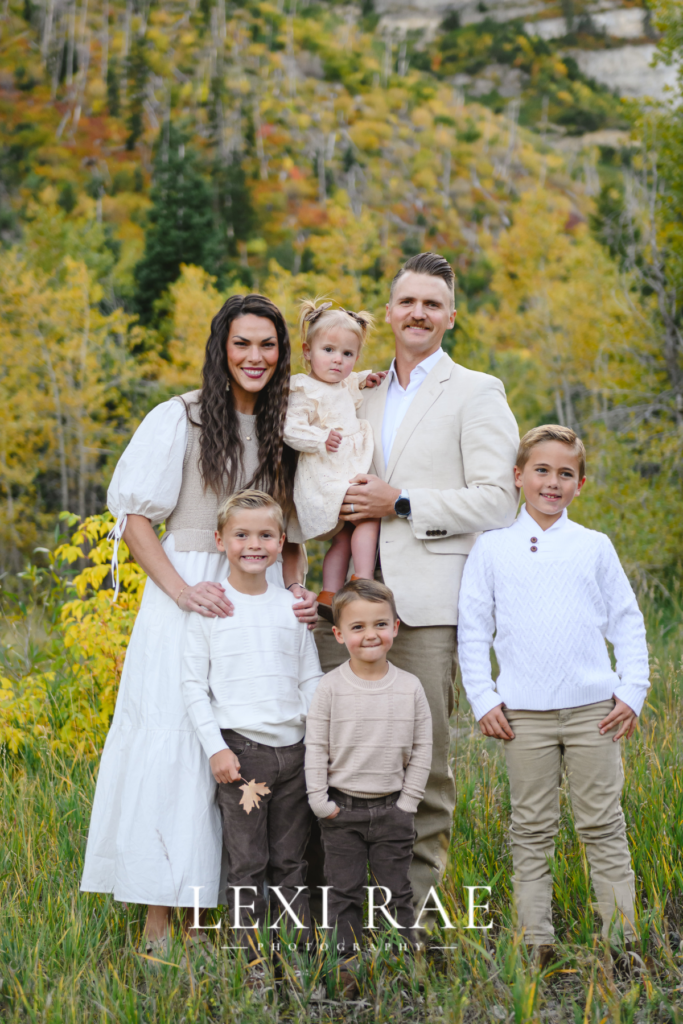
(299, 150)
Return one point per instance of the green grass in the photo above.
(65, 956)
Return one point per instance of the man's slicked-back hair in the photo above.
(426, 263)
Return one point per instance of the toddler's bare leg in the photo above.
(336, 561)
(364, 548)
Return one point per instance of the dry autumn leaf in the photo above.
(252, 793)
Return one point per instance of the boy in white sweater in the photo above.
(553, 592)
(368, 757)
(248, 681)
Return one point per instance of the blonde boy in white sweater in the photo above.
(248, 681)
(553, 592)
(368, 757)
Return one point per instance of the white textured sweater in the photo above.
(552, 598)
(255, 671)
(368, 738)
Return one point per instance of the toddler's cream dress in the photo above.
(322, 477)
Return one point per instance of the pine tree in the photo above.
(234, 220)
(180, 223)
(138, 73)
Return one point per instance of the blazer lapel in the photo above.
(374, 414)
(429, 391)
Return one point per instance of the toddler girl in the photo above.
(321, 424)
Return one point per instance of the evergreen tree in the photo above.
(138, 73)
(234, 220)
(180, 223)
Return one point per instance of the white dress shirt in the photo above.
(399, 399)
(551, 598)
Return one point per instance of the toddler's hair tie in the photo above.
(313, 316)
(354, 316)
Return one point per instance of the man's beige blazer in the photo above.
(454, 453)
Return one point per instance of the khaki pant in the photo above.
(429, 652)
(543, 741)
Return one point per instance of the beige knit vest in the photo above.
(193, 521)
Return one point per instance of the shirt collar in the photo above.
(525, 520)
(422, 369)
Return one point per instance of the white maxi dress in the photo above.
(155, 829)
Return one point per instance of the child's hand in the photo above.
(333, 441)
(373, 380)
(621, 712)
(334, 814)
(225, 766)
(494, 723)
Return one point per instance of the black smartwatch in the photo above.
(402, 507)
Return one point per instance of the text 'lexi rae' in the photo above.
(432, 905)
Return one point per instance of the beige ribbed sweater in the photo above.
(368, 738)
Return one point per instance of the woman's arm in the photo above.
(293, 573)
(206, 598)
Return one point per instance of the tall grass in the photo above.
(66, 956)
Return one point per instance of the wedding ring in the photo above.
(353, 509)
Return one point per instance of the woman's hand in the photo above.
(306, 608)
(207, 599)
(225, 766)
(334, 814)
(334, 439)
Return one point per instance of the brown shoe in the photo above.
(325, 605)
(348, 985)
(544, 956)
(631, 962)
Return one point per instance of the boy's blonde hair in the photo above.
(249, 499)
(551, 432)
(316, 316)
(362, 590)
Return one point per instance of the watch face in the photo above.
(402, 507)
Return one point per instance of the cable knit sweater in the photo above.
(254, 671)
(368, 738)
(552, 598)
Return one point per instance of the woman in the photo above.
(155, 828)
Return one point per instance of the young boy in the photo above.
(553, 591)
(368, 756)
(248, 681)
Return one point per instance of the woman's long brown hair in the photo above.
(221, 448)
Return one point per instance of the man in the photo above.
(445, 446)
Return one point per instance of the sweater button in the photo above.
(534, 540)
(533, 548)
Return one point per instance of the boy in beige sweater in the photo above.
(368, 756)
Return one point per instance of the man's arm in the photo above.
(488, 443)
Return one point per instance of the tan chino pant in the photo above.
(429, 652)
(544, 740)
